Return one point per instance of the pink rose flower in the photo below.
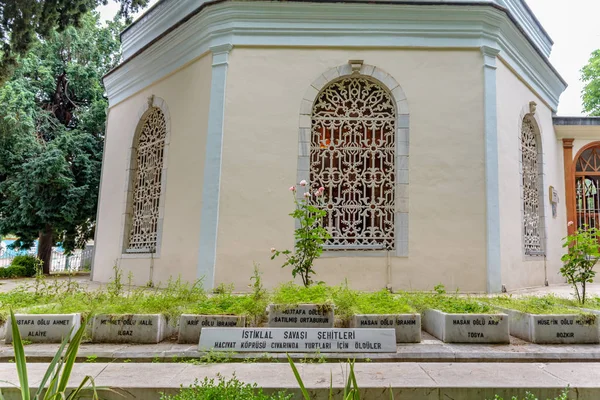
(303, 183)
(292, 188)
(570, 223)
(307, 194)
(273, 250)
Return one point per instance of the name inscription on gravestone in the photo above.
(44, 328)
(407, 326)
(299, 340)
(466, 328)
(565, 329)
(191, 325)
(301, 316)
(132, 328)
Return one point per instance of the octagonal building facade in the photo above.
(429, 125)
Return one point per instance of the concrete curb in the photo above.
(415, 381)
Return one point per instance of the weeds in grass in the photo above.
(451, 304)
(224, 389)
(549, 304)
(530, 396)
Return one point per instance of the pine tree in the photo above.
(52, 122)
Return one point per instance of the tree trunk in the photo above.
(45, 243)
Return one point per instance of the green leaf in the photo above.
(20, 359)
(298, 378)
(70, 357)
(51, 367)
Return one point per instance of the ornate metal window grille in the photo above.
(587, 188)
(147, 181)
(352, 155)
(532, 227)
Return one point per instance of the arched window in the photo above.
(587, 187)
(532, 188)
(352, 155)
(146, 175)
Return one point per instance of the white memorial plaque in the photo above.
(129, 328)
(191, 325)
(298, 340)
(407, 326)
(554, 328)
(44, 328)
(301, 316)
(466, 328)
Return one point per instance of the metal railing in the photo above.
(79, 260)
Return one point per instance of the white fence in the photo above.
(79, 260)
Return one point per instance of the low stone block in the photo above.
(190, 325)
(466, 328)
(129, 328)
(44, 328)
(407, 326)
(554, 328)
(300, 316)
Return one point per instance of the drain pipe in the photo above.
(545, 271)
(151, 281)
(389, 272)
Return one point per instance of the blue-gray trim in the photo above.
(209, 217)
(576, 121)
(492, 185)
(518, 11)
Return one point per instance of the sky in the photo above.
(573, 26)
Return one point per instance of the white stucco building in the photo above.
(430, 124)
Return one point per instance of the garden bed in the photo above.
(454, 319)
(547, 320)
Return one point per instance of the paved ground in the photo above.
(430, 350)
(410, 381)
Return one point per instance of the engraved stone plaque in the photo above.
(129, 328)
(298, 340)
(407, 326)
(300, 316)
(44, 328)
(191, 325)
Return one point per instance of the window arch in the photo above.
(352, 155)
(587, 186)
(532, 188)
(147, 182)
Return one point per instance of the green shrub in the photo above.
(223, 389)
(30, 263)
(21, 267)
(14, 271)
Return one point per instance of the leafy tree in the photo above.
(590, 75)
(22, 20)
(583, 253)
(51, 137)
